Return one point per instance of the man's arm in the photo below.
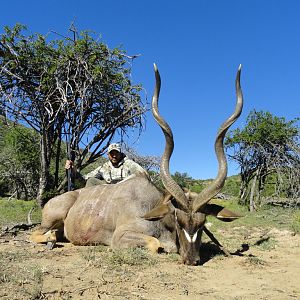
(97, 173)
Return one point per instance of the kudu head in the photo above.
(188, 211)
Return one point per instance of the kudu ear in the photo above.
(160, 210)
(220, 212)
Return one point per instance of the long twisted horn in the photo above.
(171, 186)
(215, 187)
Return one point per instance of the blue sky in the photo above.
(197, 45)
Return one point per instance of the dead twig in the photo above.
(16, 228)
(29, 221)
(80, 290)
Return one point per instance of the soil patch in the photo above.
(265, 265)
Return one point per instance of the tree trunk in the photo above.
(243, 193)
(252, 205)
(57, 161)
(45, 172)
(261, 177)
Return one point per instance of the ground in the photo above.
(265, 265)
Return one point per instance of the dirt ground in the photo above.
(265, 265)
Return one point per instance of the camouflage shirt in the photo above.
(114, 174)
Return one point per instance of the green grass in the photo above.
(276, 217)
(229, 233)
(266, 217)
(16, 211)
(296, 222)
(267, 244)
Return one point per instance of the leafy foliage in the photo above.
(268, 147)
(232, 186)
(19, 166)
(73, 90)
(265, 129)
(182, 179)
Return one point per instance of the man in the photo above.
(115, 170)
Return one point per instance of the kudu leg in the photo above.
(125, 237)
(214, 240)
(53, 216)
(43, 235)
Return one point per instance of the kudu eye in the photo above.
(180, 224)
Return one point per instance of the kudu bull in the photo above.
(135, 213)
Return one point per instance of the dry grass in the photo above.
(22, 280)
(104, 257)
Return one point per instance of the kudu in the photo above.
(135, 213)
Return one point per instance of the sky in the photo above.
(197, 46)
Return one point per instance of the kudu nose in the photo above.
(191, 262)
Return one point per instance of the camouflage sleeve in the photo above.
(97, 173)
(106, 172)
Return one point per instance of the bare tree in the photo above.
(148, 162)
(73, 90)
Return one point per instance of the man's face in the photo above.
(114, 156)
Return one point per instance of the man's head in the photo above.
(114, 153)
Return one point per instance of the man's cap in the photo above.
(116, 147)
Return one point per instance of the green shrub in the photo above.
(295, 226)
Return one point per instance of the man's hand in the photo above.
(69, 165)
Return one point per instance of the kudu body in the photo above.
(135, 212)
